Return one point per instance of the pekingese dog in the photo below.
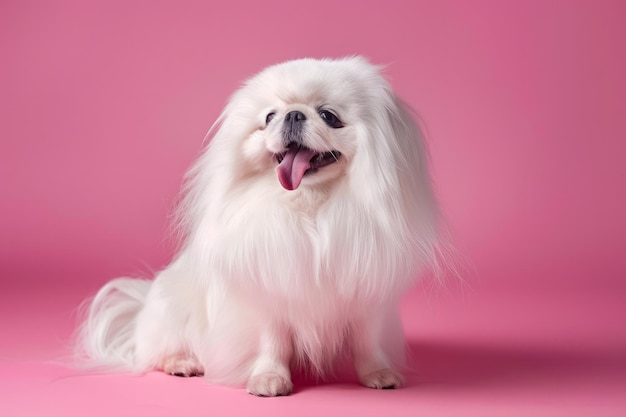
(305, 220)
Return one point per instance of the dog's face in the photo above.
(304, 119)
(307, 138)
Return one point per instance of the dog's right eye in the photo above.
(269, 117)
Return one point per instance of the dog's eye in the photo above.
(330, 119)
(269, 117)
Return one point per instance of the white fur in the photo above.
(268, 279)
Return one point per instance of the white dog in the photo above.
(306, 219)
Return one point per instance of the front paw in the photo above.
(382, 379)
(269, 385)
(182, 365)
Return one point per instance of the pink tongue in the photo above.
(293, 166)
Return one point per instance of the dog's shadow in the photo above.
(466, 365)
(458, 366)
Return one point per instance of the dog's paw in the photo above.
(382, 379)
(269, 385)
(182, 365)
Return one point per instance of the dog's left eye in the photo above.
(269, 117)
(330, 119)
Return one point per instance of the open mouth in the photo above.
(299, 161)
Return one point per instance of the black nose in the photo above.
(293, 127)
(294, 116)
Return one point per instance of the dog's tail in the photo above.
(106, 338)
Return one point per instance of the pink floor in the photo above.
(484, 353)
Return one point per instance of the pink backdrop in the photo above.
(103, 106)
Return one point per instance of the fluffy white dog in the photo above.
(305, 220)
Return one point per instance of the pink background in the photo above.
(104, 105)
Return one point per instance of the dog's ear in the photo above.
(393, 161)
(392, 157)
(210, 176)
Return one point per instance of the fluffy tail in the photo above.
(106, 337)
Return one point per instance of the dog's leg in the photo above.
(161, 327)
(182, 364)
(270, 373)
(372, 364)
